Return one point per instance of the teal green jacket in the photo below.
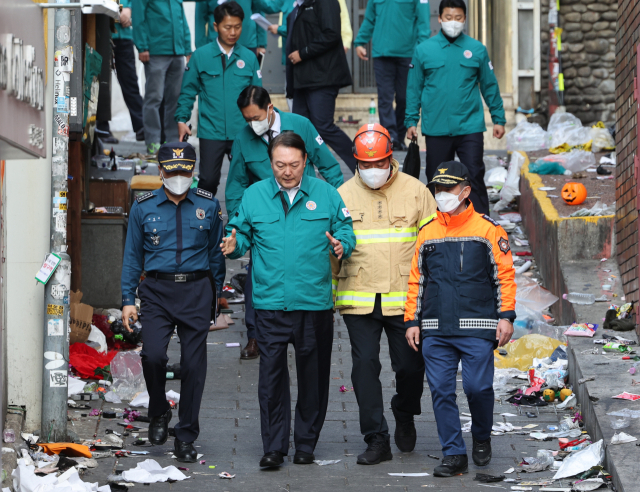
(252, 37)
(160, 27)
(120, 32)
(250, 159)
(396, 26)
(445, 82)
(290, 251)
(217, 89)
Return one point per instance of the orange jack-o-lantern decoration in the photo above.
(574, 193)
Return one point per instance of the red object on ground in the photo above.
(100, 322)
(524, 253)
(85, 360)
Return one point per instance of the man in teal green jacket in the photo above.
(396, 27)
(292, 223)
(162, 37)
(217, 73)
(250, 163)
(449, 71)
(253, 36)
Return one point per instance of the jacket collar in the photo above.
(395, 169)
(443, 41)
(456, 220)
(162, 196)
(304, 185)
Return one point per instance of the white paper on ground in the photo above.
(622, 438)
(197, 457)
(581, 461)
(326, 462)
(142, 399)
(233, 344)
(75, 386)
(510, 470)
(508, 414)
(150, 471)
(25, 480)
(408, 474)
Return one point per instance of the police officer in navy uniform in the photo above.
(173, 235)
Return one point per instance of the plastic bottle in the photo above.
(579, 298)
(372, 112)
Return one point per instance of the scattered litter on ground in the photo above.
(622, 438)
(226, 475)
(326, 462)
(486, 478)
(627, 396)
(581, 461)
(25, 480)
(409, 474)
(150, 471)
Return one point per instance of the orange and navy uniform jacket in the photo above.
(462, 279)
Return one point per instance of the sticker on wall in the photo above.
(55, 310)
(63, 34)
(55, 328)
(49, 266)
(58, 379)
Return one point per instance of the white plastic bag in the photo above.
(601, 139)
(126, 369)
(562, 128)
(511, 188)
(575, 161)
(495, 176)
(97, 340)
(533, 296)
(527, 137)
(581, 461)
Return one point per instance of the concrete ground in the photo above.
(230, 426)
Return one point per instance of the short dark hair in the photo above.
(451, 4)
(254, 94)
(287, 139)
(231, 9)
(464, 184)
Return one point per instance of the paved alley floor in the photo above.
(230, 426)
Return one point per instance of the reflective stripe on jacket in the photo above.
(462, 278)
(386, 223)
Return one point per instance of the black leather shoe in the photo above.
(108, 138)
(251, 350)
(184, 451)
(378, 450)
(158, 428)
(405, 434)
(451, 466)
(272, 458)
(302, 458)
(140, 135)
(481, 453)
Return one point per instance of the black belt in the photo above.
(178, 277)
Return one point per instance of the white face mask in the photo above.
(447, 202)
(260, 127)
(177, 185)
(374, 178)
(453, 29)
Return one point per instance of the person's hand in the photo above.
(412, 133)
(223, 303)
(295, 57)
(125, 17)
(261, 50)
(413, 337)
(346, 48)
(188, 57)
(337, 246)
(144, 56)
(498, 131)
(361, 51)
(129, 312)
(228, 244)
(183, 129)
(504, 332)
(273, 29)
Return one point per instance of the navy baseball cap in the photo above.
(449, 174)
(177, 156)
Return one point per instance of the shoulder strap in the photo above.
(144, 196)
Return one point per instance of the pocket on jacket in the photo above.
(200, 229)
(477, 301)
(430, 302)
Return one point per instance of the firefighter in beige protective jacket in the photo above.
(388, 208)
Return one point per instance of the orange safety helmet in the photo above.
(372, 143)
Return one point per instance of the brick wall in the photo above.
(627, 39)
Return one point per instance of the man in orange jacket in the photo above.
(462, 297)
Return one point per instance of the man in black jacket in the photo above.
(317, 68)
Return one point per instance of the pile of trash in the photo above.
(502, 180)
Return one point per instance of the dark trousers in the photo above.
(365, 332)
(166, 304)
(128, 79)
(392, 73)
(211, 156)
(470, 149)
(319, 105)
(441, 357)
(249, 312)
(311, 333)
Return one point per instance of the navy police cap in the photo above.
(450, 174)
(177, 156)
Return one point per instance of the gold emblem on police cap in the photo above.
(177, 153)
(442, 171)
(200, 213)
